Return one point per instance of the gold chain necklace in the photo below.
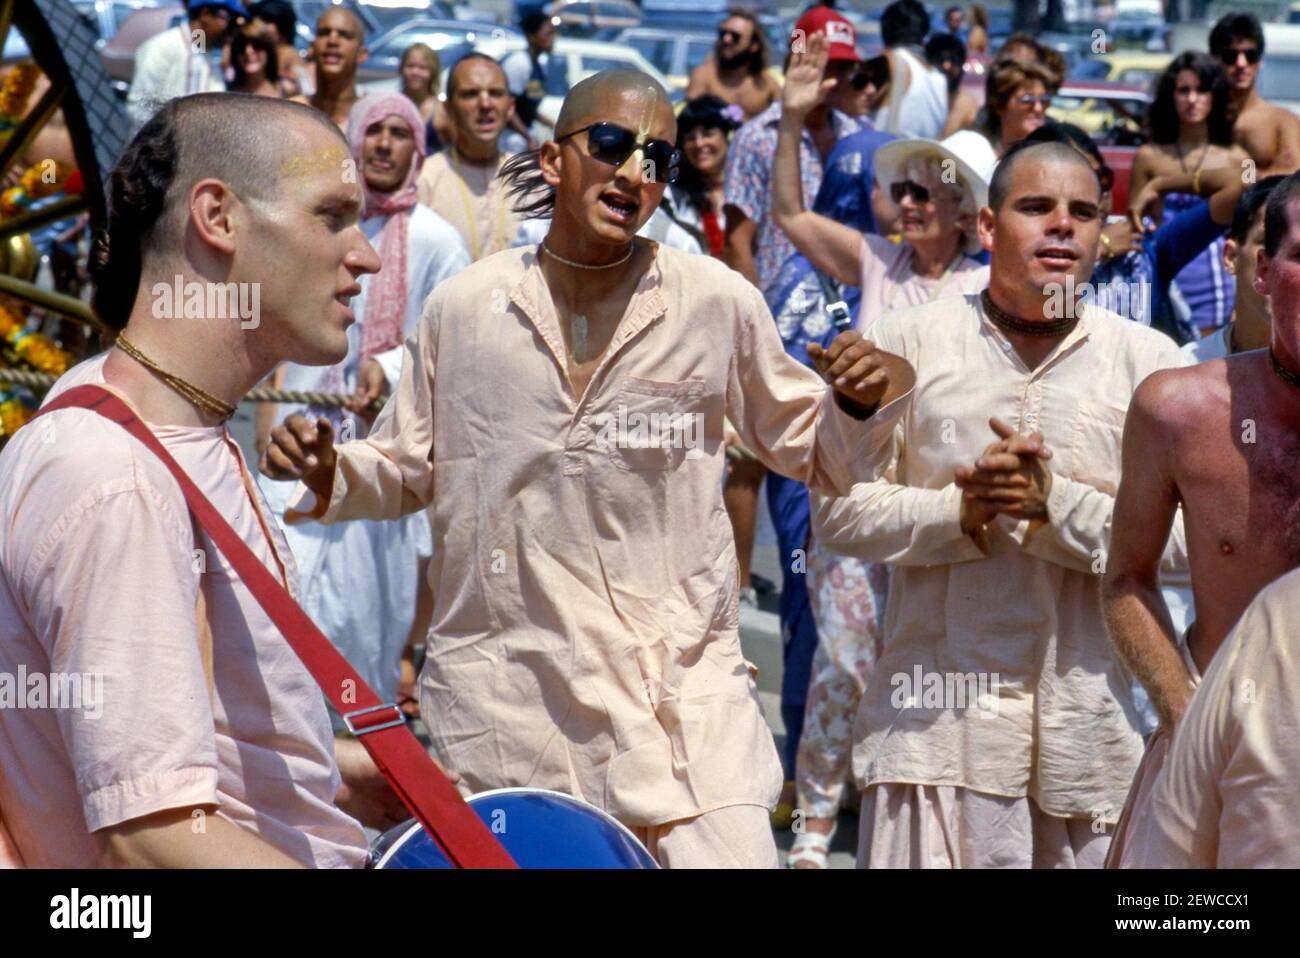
(1014, 324)
(568, 262)
(468, 202)
(1288, 376)
(204, 400)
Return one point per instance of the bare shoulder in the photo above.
(1182, 397)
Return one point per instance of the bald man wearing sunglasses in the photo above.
(560, 412)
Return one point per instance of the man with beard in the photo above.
(1223, 439)
(1270, 134)
(1000, 730)
(460, 183)
(737, 70)
(338, 49)
(561, 412)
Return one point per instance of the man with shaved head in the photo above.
(999, 730)
(338, 49)
(560, 412)
(460, 183)
(233, 236)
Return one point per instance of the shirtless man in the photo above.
(1223, 439)
(338, 49)
(584, 633)
(737, 71)
(1270, 134)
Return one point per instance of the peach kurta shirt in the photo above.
(585, 629)
(1228, 795)
(100, 565)
(472, 198)
(1060, 727)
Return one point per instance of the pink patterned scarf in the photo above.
(386, 296)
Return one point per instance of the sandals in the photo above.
(810, 847)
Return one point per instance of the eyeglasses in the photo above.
(1229, 56)
(908, 188)
(612, 144)
(864, 78)
(1030, 100)
(729, 36)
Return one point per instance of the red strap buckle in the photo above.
(365, 729)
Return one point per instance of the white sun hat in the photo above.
(971, 154)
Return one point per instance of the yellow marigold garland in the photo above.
(14, 94)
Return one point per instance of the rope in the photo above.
(43, 381)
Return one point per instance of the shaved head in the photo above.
(250, 143)
(1004, 174)
(589, 99)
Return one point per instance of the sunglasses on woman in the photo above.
(610, 143)
(908, 188)
(1229, 57)
(1030, 100)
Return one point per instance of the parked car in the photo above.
(385, 51)
(387, 14)
(1110, 112)
(675, 53)
(573, 59)
(582, 18)
(693, 19)
(1129, 67)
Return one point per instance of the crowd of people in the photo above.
(1029, 457)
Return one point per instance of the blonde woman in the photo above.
(421, 73)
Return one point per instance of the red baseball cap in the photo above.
(841, 38)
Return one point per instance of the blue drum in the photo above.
(540, 829)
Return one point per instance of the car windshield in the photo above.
(437, 38)
(388, 17)
(1090, 70)
(658, 50)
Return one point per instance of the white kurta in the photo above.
(1228, 795)
(1056, 722)
(361, 579)
(167, 66)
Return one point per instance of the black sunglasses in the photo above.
(1229, 56)
(612, 144)
(728, 36)
(907, 188)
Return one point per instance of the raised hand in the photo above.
(855, 368)
(301, 449)
(804, 87)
